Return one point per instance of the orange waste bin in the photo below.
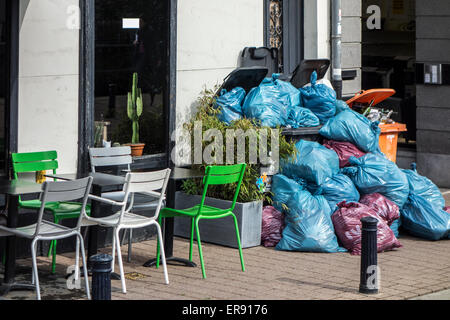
(389, 138)
(389, 131)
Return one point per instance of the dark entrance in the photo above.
(389, 59)
(9, 13)
(132, 37)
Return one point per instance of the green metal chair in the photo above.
(214, 175)
(43, 161)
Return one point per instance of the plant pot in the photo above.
(136, 149)
(222, 231)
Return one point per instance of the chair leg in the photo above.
(130, 236)
(239, 242)
(77, 258)
(35, 270)
(119, 260)
(200, 247)
(163, 256)
(191, 242)
(113, 250)
(158, 244)
(83, 257)
(53, 242)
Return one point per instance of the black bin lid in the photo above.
(302, 74)
(245, 77)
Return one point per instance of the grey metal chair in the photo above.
(120, 157)
(46, 230)
(147, 183)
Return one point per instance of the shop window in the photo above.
(3, 82)
(131, 37)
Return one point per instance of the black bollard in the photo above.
(101, 276)
(369, 263)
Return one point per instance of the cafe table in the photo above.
(13, 189)
(103, 181)
(177, 174)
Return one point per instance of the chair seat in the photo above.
(70, 208)
(141, 201)
(59, 209)
(46, 229)
(193, 211)
(129, 220)
(36, 204)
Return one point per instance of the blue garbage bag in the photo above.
(336, 189)
(394, 227)
(319, 98)
(350, 126)
(271, 102)
(374, 174)
(300, 117)
(288, 93)
(341, 106)
(308, 219)
(283, 189)
(230, 104)
(424, 187)
(313, 162)
(424, 219)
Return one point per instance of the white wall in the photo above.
(48, 81)
(211, 34)
(317, 29)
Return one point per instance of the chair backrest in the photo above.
(147, 183)
(54, 191)
(107, 157)
(220, 175)
(34, 161)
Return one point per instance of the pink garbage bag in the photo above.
(385, 208)
(347, 225)
(272, 226)
(344, 150)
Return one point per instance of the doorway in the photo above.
(389, 59)
(9, 47)
(132, 37)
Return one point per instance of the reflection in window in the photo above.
(3, 81)
(138, 44)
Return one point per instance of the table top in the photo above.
(106, 179)
(19, 187)
(100, 179)
(185, 173)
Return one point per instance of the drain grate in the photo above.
(135, 276)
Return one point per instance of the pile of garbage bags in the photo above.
(277, 103)
(325, 189)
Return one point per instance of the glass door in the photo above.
(4, 78)
(131, 37)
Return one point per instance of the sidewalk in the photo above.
(419, 268)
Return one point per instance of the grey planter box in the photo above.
(221, 231)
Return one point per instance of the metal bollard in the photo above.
(369, 263)
(101, 276)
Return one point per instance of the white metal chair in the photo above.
(120, 157)
(46, 230)
(148, 183)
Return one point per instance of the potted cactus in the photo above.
(134, 110)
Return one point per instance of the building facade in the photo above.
(68, 66)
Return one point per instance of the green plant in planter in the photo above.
(207, 114)
(135, 107)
